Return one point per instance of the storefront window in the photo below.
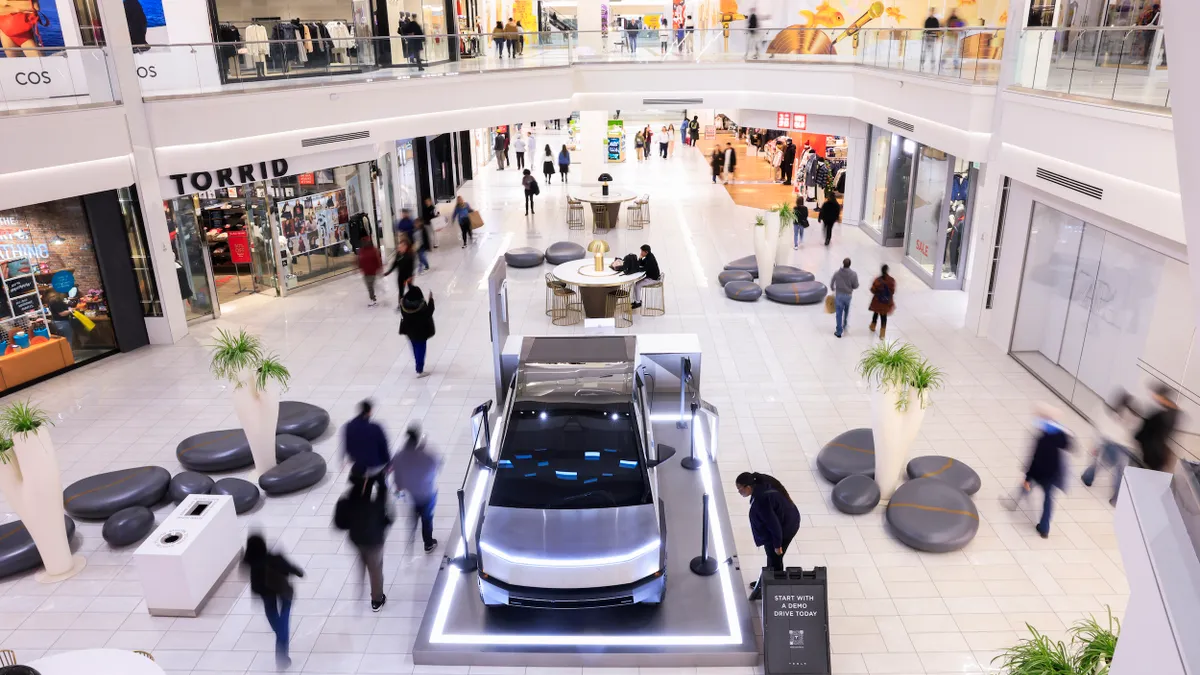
(406, 177)
(191, 257)
(875, 199)
(53, 308)
(929, 202)
(316, 213)
(956, 228)
(139, 252)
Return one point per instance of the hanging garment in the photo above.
(960, 187)
(257, 48)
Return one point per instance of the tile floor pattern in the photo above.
(783, 383)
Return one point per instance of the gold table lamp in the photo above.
(599, 247)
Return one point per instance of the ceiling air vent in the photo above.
(1071, 184)
(339, 138)
(900, 125)
(672, 101)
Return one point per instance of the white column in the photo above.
(985, 210)
(856, 172)
(1185, 106)
(593, 132)
(587, 17)
(172, 325)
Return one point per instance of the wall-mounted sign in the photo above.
(20, 286)
(63, 281)
(306, 179)
(790, 120)
(228, 177)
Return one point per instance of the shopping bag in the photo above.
(829, 304)
(87, 323)
(439, 223)
(476, 219)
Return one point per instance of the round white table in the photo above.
(96, 662)
(605, 208)
(593, 286)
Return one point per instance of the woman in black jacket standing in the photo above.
(269, 580)
(831, 211)
(548, 164)
(774, 518)
(416, 321)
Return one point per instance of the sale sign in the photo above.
(239, 247)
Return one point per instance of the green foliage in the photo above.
(900, 367)
(22, 417)
(1098, 643)
(6, 446)
(759, 221)
(241, 359)
(1038, 655)
(787, 214)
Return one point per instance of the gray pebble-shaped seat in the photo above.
(127, 526)
(850, 453)
(743, 291)
(524, 256)
(303, 470)
(945, 469)
(855, 494)
(726, 276)
(932, 515)
(564, 251)
(98, 497)
(245, 494)
(747, 264)
(800, 293)
(297, 418)
(786, 274)
(17, 550)
(188, 483)
(228, 449)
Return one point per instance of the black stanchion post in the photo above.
(704, 564)
(468, 562)
(685, 374)
(690, 462)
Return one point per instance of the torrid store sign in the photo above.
(200, 181)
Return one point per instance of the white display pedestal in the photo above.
(182, 562)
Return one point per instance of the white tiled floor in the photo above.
(783, 383)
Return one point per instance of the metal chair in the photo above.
(145, 654)
(619, 305)
(654, 301)
(638, 213)
(574, 214)
(600, 218)
(8, 657)
(564, 306)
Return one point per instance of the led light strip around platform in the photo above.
(438, 634)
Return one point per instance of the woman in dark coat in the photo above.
(564, 163)
(416, 321)
(404, 267)
(774, 518)
(831, 211)
(718, 163)
(548, 164)
(800, 223)
(883, 303)
(269, 580)
(1046, 465)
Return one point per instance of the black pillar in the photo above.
(111, 242)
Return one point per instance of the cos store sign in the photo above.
(55, 76)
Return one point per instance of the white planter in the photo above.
(766, 241)
(783, 240)
(32, 485)
(258, 412)
(894, 433)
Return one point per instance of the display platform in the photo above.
(702, 621)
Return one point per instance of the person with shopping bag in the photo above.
(1114, 429)
(462, 216)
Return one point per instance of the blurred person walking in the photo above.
(671, 140)
(1113, 428)
(883, 302)
(843, 284)
(663, 140)
(498, 38)
(362, 512)
(519, 146)
(510, 38)
(1157, 428)
(530, 184)
(403, 265)
(369, 263)
(929, 44)
(548, 164)
(774, 519)
(462, 216)
(564, 162)
(414, 472)
(429, 214)
(800, 224)
(416, 322)
(1046, 465)
(270, 575)
(498, 148)
(830, 212)
(365, 444)
(716, 161)
(423, 243)
(694, 128)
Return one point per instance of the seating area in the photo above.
(637, 214)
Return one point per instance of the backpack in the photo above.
(885, 294)
(534, 189)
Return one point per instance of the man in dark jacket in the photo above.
(1046, 465)
(404, 266)
(365, 444)
(648, 264)
(415, 38)
(429, 213)
(788, 162)
(363, 513)
(1157, 429)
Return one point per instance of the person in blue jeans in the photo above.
(844, 281)
(1114, 426)
(270, 575)
(800, 223)
(1046, 465)
(416, 321)
(414, 471)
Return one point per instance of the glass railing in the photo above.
(967, 54)
(39, 78)
(1125, 63)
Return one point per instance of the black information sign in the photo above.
(795, 606)
(25, 304)
(20, 285)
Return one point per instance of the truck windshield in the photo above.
(571, 457)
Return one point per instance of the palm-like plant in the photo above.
(900, 367)
(20, 417)
(759, 221)
(787, 214)
(1038, 655)
(238, 355)
(1098, 643)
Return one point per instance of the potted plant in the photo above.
(766, 240)
(787, 216)
(32, 484)
(901, 380)
(257, 376)
(1089, 652)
